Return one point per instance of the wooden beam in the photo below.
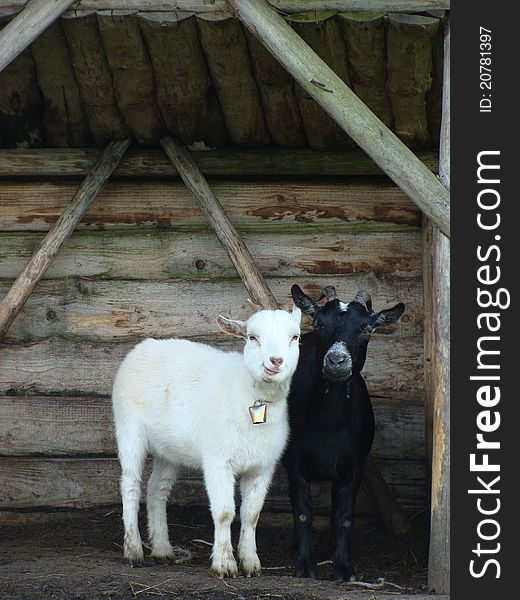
(439, 555)
(209, 6)
(35, 17)
(43, 257)
(72, 162)
(340, 102)
(226, 233)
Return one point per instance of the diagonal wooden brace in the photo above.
(391, 513)
(349, 112)
(64, 226)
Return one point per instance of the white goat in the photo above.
(187, 404)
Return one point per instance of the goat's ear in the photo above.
(302, 301)
(296, 314)
(388, 316)
(236, 328)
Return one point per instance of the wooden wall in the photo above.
(144, 263)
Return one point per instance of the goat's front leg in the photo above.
(253, 490)
(300, 493)
(342, 518)
(220, 486)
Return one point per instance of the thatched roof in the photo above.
(204, 78)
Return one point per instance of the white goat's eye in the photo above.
(295, 338)
(252, 338)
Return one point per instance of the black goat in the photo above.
(332, 423)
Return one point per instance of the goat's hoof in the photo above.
(307, 570)
(225, 568)
(176, 555)
(344, 572)
(134, 557)
(251, 566)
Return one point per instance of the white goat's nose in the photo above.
(276, 360)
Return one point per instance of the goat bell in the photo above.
(258, 412)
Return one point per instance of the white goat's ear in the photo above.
(236, 328)
(296, 314)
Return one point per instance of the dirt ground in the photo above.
(79, 556)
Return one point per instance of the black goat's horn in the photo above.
(329, 292)
(363, 297)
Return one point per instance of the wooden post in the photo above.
(439, 557)
(43, 257)
(227, 234)
(391, 513)
(27, 25)
(340, 102)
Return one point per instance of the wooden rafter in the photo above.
(35, 17)
(340, 102)
(64, 226)
(208, 6)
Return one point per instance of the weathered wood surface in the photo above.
(439, 555)
(81, 483)
(410, 74)
(177, 255)
(25, 283)
(233, 161)
(61, 426)
(185, 94)
(347, 110)
(365, 39)
(429, 343)
(94, 79)
(263, 206)
(132, 77)
(325, 39)
(10, 7)
(21, 118)
(64, 120)
(225, 48)
(35, 17)
(434, 97)
(112, 310)
(58, 366)
(276, 87)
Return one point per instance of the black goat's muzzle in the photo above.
(337, 363)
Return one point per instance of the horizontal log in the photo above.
(34, 206)
(57, 366)
(123, 310)
(165, 255)
(8, 7)
(61, 426)
(144, 163)
(90, 482)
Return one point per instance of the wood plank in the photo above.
(90, 482)
(145, 163)
(227, 235)
(61, 426)
(324, 37)
(64, 120)
(439, 552)
(94, 79)
(21, 105)
(257, 205)
(34, 270)
(34, 18)
(177, 255)
(279, 103)
(132, 77)
(312, 73)
(185, 94)
(208, 6)
(225, 48)
(57, 366)
(365, 38)
(409, 47)
(121, 310)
